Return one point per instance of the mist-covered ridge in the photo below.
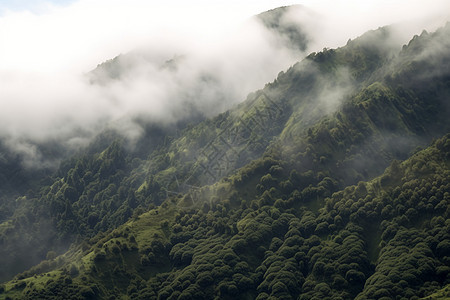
(328, 182)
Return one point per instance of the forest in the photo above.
(331, 182)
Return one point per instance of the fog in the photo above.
(175, 59)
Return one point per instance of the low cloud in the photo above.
(178, 60)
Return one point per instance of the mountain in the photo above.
(384, 238)
(202, 87)
(330, 182)
(285, 24)
(31, 165)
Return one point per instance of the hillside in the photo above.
(24, 189)
(384, 238)
(298, 192)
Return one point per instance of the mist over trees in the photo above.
(330, 182)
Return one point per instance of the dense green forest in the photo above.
(331, 182)
(388, 237)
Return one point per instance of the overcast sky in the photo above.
(77, 34)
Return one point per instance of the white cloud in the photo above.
(87, 32)
(81, 34)
(43, 56)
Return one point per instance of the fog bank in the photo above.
(177, 58)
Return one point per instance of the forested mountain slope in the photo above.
(383, 239)
(288, 172)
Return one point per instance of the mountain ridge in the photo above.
(335, 119)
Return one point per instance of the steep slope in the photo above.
(202, 85)
(381, 239)
(84, 175)
(284, 22)
(334, 119)
(16, 178)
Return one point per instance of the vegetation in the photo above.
(312, 188)
(388, 237)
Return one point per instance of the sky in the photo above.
(30, 5)
(78, 34)
(48, 47)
